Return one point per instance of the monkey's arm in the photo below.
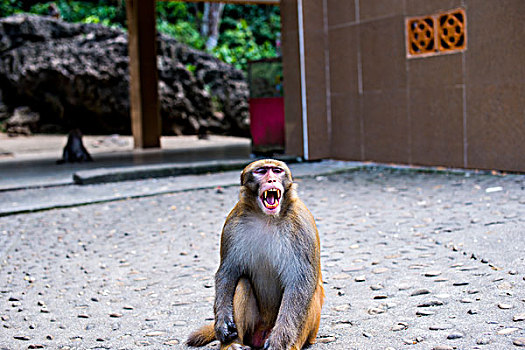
(226, 280)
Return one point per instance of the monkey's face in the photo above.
(268, 180)
(271, 189)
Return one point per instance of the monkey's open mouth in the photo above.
(271, 198)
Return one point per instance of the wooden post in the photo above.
(144, 99)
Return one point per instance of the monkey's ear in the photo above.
(245, 176)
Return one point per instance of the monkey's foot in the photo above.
(236, 346)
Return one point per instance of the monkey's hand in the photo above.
(225, 329)
(277, 342)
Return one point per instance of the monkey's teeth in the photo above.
(275, 196)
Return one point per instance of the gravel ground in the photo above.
(410, 261)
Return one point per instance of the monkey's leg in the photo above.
(313, 318)
(245, 311)
(245, 315)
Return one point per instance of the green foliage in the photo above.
(10, 7)
(238, 46)
(191, 68)
(248, 32)
(264, 21)
(184, 32)
(100, 12)
(177, 20)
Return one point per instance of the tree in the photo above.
(211, 19)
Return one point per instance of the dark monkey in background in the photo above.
(74, 150)
(268, 288)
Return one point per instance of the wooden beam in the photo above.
(144, 99)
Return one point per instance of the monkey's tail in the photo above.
(202, 336)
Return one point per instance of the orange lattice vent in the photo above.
(421, 36)
(439, 33)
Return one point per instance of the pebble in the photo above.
(506, 331)
(379, 297)
(325, 339)
(376, 311)
(459, 284)
(519, 317)
(504, 306)
(432, 273)
(519, 341)
(155, 334)
(412, 341)
(431, 303)
(353, 269)
(483, 341)
(22, 337)
(376, 287)
(440, 327)
(400, 326)
(442, 347)
(419, 292)
(403, 286)
(341, 276)
(343, 307)
(425, 313)
(360, 278)
(505, 285)
(380, 270)
(455, 335)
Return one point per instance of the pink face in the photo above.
(271, 188)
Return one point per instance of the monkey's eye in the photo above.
(277, 170)
(260, 171)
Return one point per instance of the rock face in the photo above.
(23, 122)
(76, 76)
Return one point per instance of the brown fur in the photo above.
(202, 336)
(269, 291)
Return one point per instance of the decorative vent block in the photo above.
(445, 32)
(421, 36)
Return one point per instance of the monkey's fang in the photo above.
(271, 198)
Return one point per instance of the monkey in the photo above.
(74, 150)
(268, 287)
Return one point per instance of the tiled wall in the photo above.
(368, 101)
